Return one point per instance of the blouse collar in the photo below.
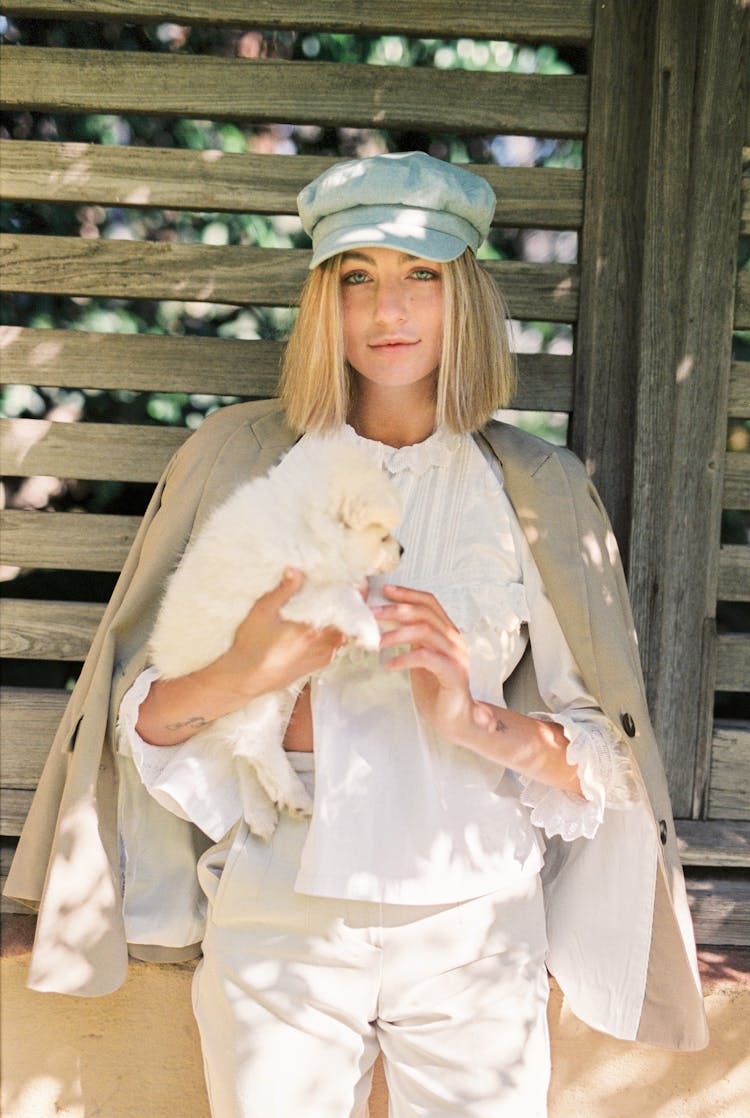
(434, 451)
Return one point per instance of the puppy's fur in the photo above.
(329, 510)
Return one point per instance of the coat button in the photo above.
(663, 831)
(628, 724)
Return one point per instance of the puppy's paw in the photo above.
(257, 809)
(295, 800)
(366, 633)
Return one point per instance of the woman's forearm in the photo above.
(175, 709)
(529, 746)
(268, 653)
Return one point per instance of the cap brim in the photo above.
(429, 244)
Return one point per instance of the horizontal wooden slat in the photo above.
(553, 21)
(742, 301)
(734, 573)
(331, 94)
(145, 362)
(733, 662)
(86, 451)
(8, 907)
(745, 208)
(14, 807)
(215, 181)
(68, 541)
(46, 630)
(719, 843)
(30, 718)
(234, 275)
(739, 390)
(736, 481)
(720, 906)
(730, 772)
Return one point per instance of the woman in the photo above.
(407, 915)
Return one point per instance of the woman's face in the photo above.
(392, 307)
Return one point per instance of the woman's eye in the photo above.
(424, 274)
(353, 278)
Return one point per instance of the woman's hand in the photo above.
(267, 654)
(437, 659)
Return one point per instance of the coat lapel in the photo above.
(541, 497)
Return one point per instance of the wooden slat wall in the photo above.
(545, 197)
(549, 21)
(611, 111)
(655, 384)
(268, 92)
(234, 275)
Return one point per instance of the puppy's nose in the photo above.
(400, 550)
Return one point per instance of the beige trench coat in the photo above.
(67, 860)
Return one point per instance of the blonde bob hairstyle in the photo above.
(476, 374)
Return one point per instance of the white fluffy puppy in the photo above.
(327, 509)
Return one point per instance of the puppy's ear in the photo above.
(352, 512)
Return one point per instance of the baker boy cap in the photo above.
(407, 201)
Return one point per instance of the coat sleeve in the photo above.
(67, 862)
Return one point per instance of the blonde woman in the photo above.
(488, 798)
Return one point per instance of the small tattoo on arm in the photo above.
(196, 720)
(500, 726)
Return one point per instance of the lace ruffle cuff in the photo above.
(604, 773)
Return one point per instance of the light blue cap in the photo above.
(407, 201)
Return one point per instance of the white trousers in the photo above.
(295, 995)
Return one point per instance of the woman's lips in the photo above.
(393, 347)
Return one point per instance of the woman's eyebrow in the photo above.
(352, 255)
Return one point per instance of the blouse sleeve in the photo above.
(594, 744)
(192, 782)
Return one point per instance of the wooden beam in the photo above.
(719, 905)
(328, 94)
(8, 907)
(742, 301)
(739, 390)
(86, 451)
(141, 362)
(14, 807)
(65, 541)
(550, 21)
(734, 573)
(736, 492)
(230, 275)
(611, 251)
(218, 182)
(220, 366)
(730, 772)
(46, 630)
(30, 718)
(682, 370)
(733, 662)
(722, 843)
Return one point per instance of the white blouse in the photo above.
(400, 815)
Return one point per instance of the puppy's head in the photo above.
(354, 520)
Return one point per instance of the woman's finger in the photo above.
(419, 635)
(276, 598)
(441, 667)
(405, 595)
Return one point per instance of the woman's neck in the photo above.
(396, 418)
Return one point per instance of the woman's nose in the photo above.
(390, 303)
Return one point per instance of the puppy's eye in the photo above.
(385, 538)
